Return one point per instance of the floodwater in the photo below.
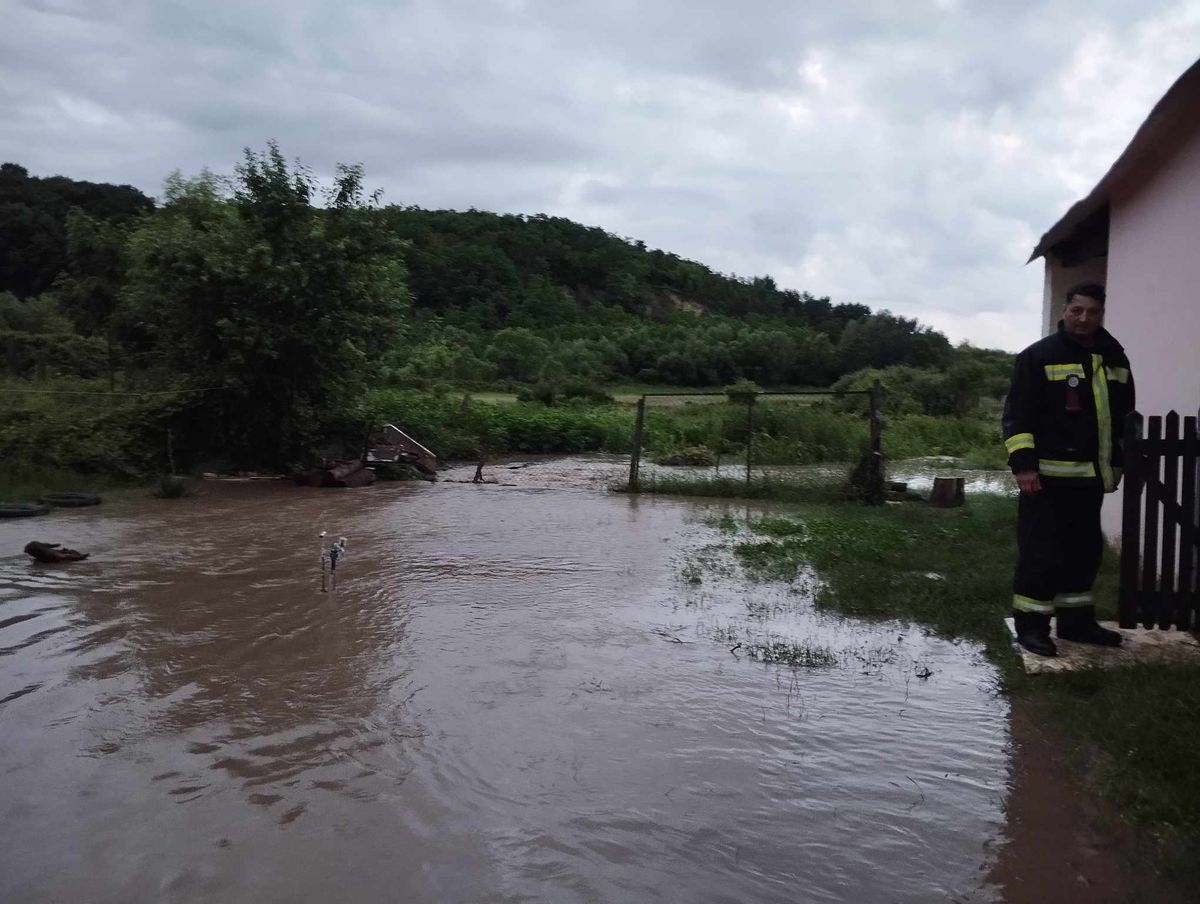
(516, 693)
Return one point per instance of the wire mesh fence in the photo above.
(758, 436)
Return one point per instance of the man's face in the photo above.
(1082, 316)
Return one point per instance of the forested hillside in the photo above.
(265, 307)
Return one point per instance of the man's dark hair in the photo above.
(1090, 289)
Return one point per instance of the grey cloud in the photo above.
(862, 149)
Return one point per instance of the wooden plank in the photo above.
(1161, 446)
(1131, 522)
(1170, 527)
(1186, 615)
(1150, 534)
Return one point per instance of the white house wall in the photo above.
(1154, 287)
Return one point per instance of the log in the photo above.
(948, 492)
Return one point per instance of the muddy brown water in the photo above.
(517, 693)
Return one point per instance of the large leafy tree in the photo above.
(285, 307)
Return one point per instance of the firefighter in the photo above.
(1066, 406)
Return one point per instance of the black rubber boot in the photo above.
(1033, 633)
(1078, 623)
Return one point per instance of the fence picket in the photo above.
(1150, 530)
(1131, 521)
(1170, 483)
(1188, 588)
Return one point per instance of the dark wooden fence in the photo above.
(1160, 536)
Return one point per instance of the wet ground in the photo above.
(516, 693)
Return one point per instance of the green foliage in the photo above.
(517, 353)
(916, 435)
(883, 339)
(52, 354)
(37, 314)
(288, 309)
(33, 221)
(743, 392)
(285, 302)
(467, 431)
(120, 437)
(695, 456)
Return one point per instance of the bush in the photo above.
(690, 455)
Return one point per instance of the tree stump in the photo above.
(948, 492)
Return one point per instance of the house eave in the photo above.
(1176, 114)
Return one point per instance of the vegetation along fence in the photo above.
(1160, 529)
(777, 428)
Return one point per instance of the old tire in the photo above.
(69, 500)
(22, 509)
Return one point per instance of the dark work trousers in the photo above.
(1059, 544)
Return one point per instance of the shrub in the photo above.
(690, 455)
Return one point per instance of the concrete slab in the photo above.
(1140, 645)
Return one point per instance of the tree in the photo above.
(286, 308)
(884, 339)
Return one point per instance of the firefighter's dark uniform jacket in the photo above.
(1066, 409)
(1064, 418)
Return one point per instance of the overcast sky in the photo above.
(906, 155)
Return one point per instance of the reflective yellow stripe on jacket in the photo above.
(1053, 468)
(1103, 422)
(1056, 372)
(1117, 374)
(1018, 441)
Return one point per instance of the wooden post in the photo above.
(366, 444)
(1131, 522)
(875, 494)
(749, 434)
(635, 457)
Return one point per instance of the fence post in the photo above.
(749, 433)
(875, 467)
(1131, 522)
(635, 457)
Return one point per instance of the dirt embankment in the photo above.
(1064, 844)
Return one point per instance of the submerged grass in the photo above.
(776, 489)
(947, 569)
(1133, 730)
